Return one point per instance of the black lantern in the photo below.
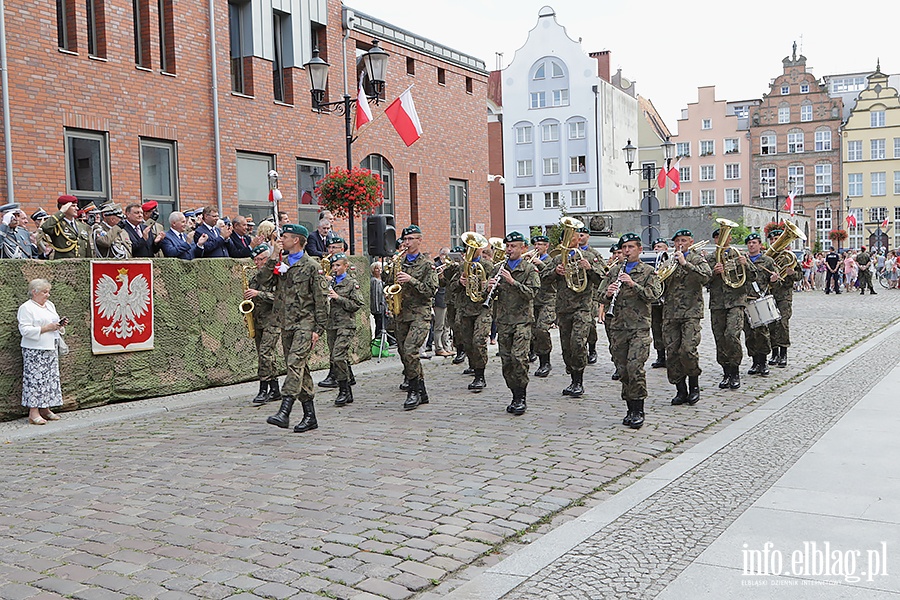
(318, 77)
(375, 61)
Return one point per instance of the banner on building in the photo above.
(121, 306)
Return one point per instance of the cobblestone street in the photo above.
(209, 501)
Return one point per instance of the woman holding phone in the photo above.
(41, 327)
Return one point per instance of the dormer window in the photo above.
(785, 90)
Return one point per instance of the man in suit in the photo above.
(136, 238)
(150, 209)
(317, 246)
(216, 245)
(239, 244)
(176, 243)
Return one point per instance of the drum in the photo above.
(762, 311)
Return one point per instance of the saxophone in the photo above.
(246, 306)
(393, 294)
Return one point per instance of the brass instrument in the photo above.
(476, 277)
(735, 274)
(246, 306)
(325, 263)
(667, 268)
(393, 294)
(445, 262)
(779, 252)
(576, 276)
(498, 249)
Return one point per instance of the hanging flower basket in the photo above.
(837, 235)
(772, 225)
(357, 191)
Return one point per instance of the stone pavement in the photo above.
(195, 496)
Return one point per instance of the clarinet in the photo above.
(612, 302)
(490, 294)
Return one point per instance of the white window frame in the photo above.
(823, 140)
(806, 113)
(524, 134)
(551, 199)
(560, 97)
(707, 172)
(877, 118)
(767, 142)
(854, 150)
(706, 124)
(877, 149)
(804, 88)
(551, 166)
(823, 179)
(732, 195)
(896, 189)
(707, 197)
(733, 171)
(550, 132)
(897, 147)
(784, 114)
(683, 149)
(855, 185)
(768, 182)
(578, 164)
(684, 174)
(797, 175)
(524, 168)
(526, 201)
(732, 145)
(538, 100)
(785, 90)
(579, 198)
(683, 199)
(795, 143)
(577, 130)
(879, 183)
(707, 147)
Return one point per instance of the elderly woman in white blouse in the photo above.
(40, 326)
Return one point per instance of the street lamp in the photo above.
(649, 203)
(375, 63)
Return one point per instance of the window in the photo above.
(525, 202)
(784, 114)
(806, 113)
(540, 72)
(879, 184)
(141, 11)
(523, 134)
(896, 187)
(240, 47)
(66, 37)
(577, 164)
(877, 118)
(854, 150)
(310, 173)
(376, 163)
(707, 197)
(823, 179)
(896, 214)
(551, 199)
(538, 99)
(706, 124)
(253, 183)
(551, 166)
(785, 90)
(683, 199)
(550, 132)
(560, 97)
(579, 198)
(855, 184)
(855, 239)
(576, 130)
(823, 223)
(795, 142)
(410, 66)
(733, 171)
(848, 84)
(524, 168)
(797, 177)
(823, 140)
(732, 195)
(767, 185)
(158, 169)
(556, 70)
(281, 27)
(804, 88)
(683, 149)
(877, 214)
(767, 144)
(896, 148)
(732, 145)
(707, 148)
(441, 76)
(684, 174)
(707, 172)
(459, 210)
(877, 150)
(96, 28)
(468, 85)
(166, 36)
(87, 165)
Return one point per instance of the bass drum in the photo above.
(762, 312)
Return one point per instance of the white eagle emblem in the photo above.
(122, 305)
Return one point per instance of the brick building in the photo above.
(121, 101)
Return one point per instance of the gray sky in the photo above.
(668, 48)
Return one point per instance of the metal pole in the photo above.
(7, 128)
(348, 131)
(217, 134)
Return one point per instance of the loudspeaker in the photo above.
(381, 235)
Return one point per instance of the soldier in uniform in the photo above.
(262, 290)
(302, 306)
(864, 260)
(453, 294)
(334, 246)
(584, 237)
(760, 275)
(106, 233)
(627, 292)
(345, 300)
(661, 247)
(832, 271)
(418, 282)
(69, 237)
(473, 321)
(574, 311)
(544, 307)
(517, 283)
(726, 315)
(15, 241)
(614, 259)
(682, 312)
(783, 292)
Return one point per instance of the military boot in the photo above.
(763, 367)
(754, 368)
(726, 378)
(735, 382)
(352, 376)
(512, 403)
(782, 357)
(567, 391)
(478, 383)
(577, 384)
(638, 418)
(460, 356)
(520, 407)
(544, 367)
(616, 376)
(681, 395)
(405, 385)
(660, 362)
(693, 390)
(629, 416)
(592, 354)
(776, 351)
(468, 371)
(283, 416)
(274, 392)
(308, 423)
(412, 395)
(329, 381)
(263, 395)
(349, 393)
(532, 356)
(341, 399)
(423, 393)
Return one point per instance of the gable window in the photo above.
(538, 99)
(556, 70)
(806, 113)
(785, 90)
(823, 140)
(877, 118)
(804, 88)
(560, 97)
(784, 114)
(706, 124)
(540, 72)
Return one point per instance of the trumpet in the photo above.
(667, 268)
(445, 262)
(246, 306)
(735, 274)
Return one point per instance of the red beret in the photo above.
(149, 205)
(65, 199)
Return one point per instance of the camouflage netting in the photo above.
(200, 339)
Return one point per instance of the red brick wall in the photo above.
(495, 160)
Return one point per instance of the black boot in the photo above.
(412, 395)
(754, 368)
(478, 383)
(544, 367)
(776, 351)
(349, 393)
(629, 416)
(274, 392)
(592, 354)
(520, 407)
(638, 418)
(405, 385)
(681, 395)
(693, 390)
(512, 403)
(726, 378)
(341, 399)
(352, 376)
(532, 356)
(468, 371)
(615, 375)
(872, 293)
(660, 361)
(577, 384)
(423, 393)
(782, 357)
(283, 417)
(735, 382)
(460, 356)
(308, 423)
(329, 381)
(763, 367)
(263, 395)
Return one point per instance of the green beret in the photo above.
(715, 233)
(661, 241)
(335, 239)
(411, 230)
(775, 232)
(752, 236)
(613, 247)
(295, 229)
(513, 236)
(259, 250)
(682, 232)
(458, 249)
(338, 256)
(583, 229)
(629, 237)
(540, 238)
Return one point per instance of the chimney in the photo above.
(602, 59)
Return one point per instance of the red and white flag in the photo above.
(661, 178)
(789, 203)
(851, 220)
(275, 195)
(363, 110)
(674, 176)
(403, 116)
(884, 223)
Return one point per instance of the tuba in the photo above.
(246, 306)
(735, 274)
(576, 277)
(393, 294)
(666, 269)
(476, 277)
(779, 250)
(499, 253)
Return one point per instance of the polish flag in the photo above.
(403, 116)
(884, 223)
(363, 110)
(275, 195)
(661, 178)
(851, 220)
(789, 203)
(675, 176)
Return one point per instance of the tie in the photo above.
(244, 241)
(183, 239)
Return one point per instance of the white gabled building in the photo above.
(560, 113)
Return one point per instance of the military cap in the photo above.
(189, 213)
(338, 256)
(111, 209)
(295, 229)
(66, 199)
(752, 236)
(629, 237)
(411, 230)
(583, 229)
(335, 239)
(613, 247)
(9, 207)
(661, 241)
(540, 238)
(514, 236)
(775, 233)
(257, 250)
(39, 214)
(715, 233)
(459, 249)
(149, 205)
(682, 232)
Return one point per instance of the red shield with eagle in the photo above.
(121, 306)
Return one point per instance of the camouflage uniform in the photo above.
(342, 324)
(757, 340)
(450, 275)
(726, 318)
(412, 324)
(473, 323)
(544, 310)
(864, 259)
(66, 241)
(783, 292)
(682, 312)
(266, 322)
(514, 303)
